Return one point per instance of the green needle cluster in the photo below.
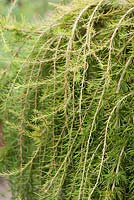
(67, 104)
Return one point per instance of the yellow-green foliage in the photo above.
(67, 105)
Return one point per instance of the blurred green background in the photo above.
(29, 9)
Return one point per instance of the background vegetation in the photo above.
(29, 10)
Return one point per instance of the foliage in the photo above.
(31, 10)
(67, 104)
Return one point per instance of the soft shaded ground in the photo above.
(5, 193)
